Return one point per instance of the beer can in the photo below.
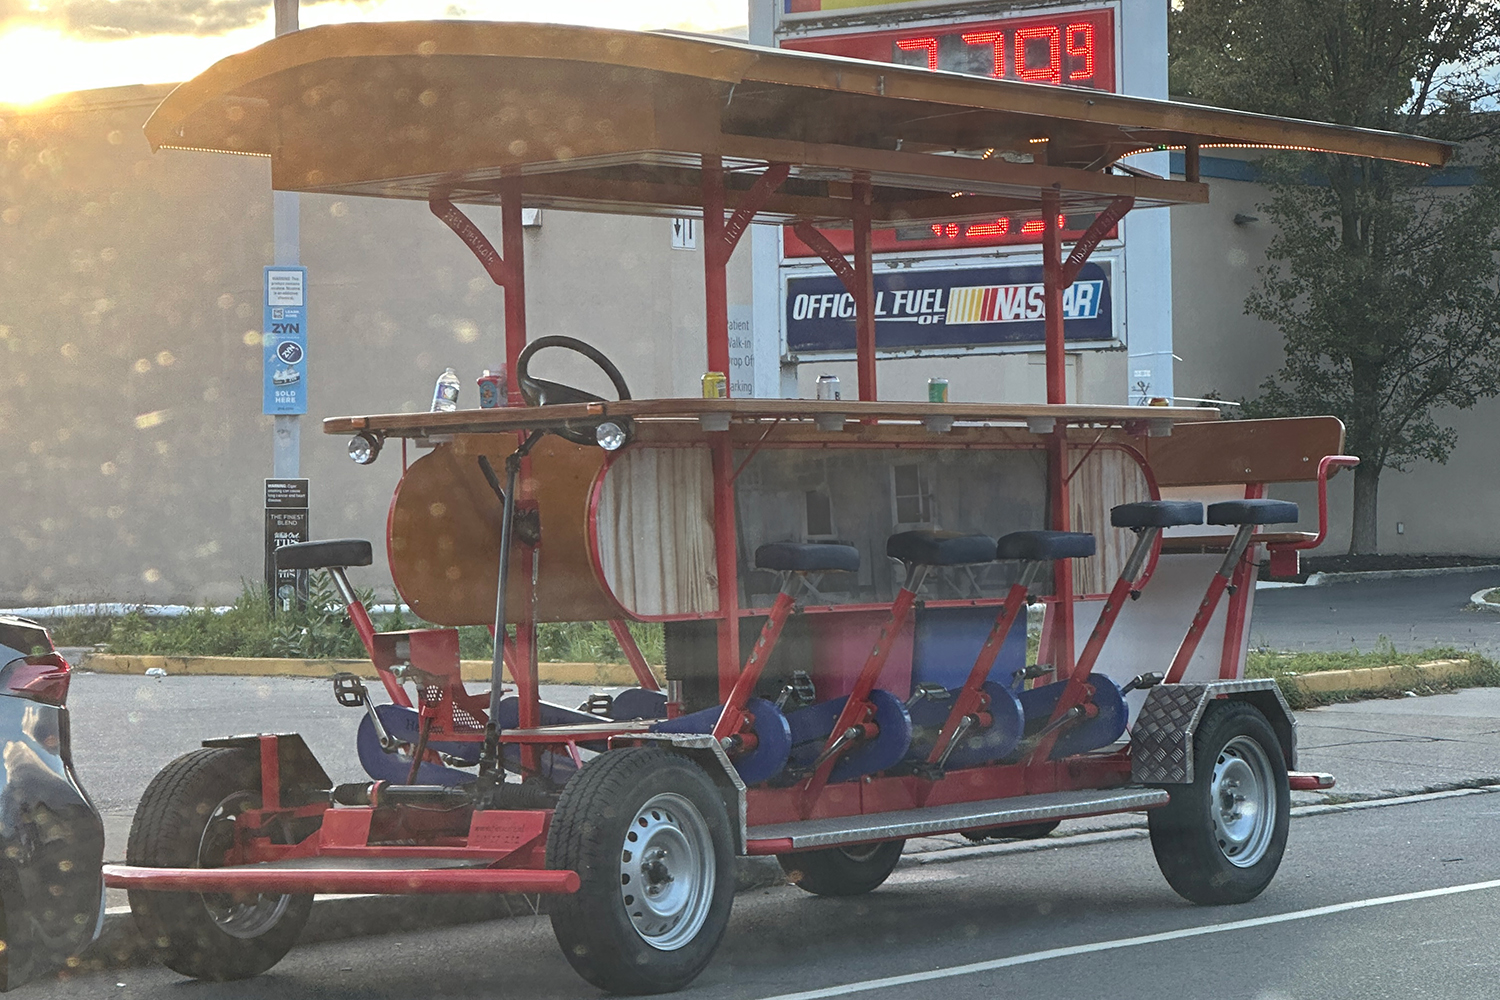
(937, 390)
(715, 385)
(492, 388)
(828, 387)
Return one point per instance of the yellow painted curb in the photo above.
(602, 674)
(1376, 678)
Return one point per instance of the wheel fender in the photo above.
(705, 751)
(1161, 741)
(303, 779)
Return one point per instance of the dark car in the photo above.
(51, 837)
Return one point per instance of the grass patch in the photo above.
(1492, 596)
(1280, 666)
(320, 630)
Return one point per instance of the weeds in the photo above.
(1283, 666)
(319, 630)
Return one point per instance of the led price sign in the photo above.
(1074, 49)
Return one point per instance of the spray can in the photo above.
(492, 389)
(445, 393)
(828, 387)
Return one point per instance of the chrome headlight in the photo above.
(610, 435)
(364, 447)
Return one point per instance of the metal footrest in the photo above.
(951, 818)
(388, 880)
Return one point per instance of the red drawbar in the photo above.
(257, 878)
(1309, 781)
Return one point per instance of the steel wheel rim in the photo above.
(237, 915)
(667, 872)
(861, 853)
(1242, 800)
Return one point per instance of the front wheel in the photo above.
(1221, 838)
(649, 837)
(843, 871)
(186, 819)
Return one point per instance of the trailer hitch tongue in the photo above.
(382, 793)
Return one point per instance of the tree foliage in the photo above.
(1382, 282)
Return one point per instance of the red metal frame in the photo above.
(510, 844)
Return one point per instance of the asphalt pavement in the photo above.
(1396, 902)
(1412, 613)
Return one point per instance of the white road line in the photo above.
(1133, 942)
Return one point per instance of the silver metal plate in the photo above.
(960, 816)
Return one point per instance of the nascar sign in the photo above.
(925, 310)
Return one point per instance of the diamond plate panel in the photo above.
(1161, 741)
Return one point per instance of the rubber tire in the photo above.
(1022, 831)
(587, 835)
(1182, 832)
(840, 871)
(167, 831)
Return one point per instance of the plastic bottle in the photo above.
(445, 393)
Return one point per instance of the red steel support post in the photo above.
(721, 448)
(715, 281)
(1061, 644)
(513, 250)
(864, 288)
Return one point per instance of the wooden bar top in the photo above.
(691, 409)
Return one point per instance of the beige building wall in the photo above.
(131, 440)
(1450, 508)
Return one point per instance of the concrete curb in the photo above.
(603, 674)
(1478, 601)
(1394, 677)
(1324, 579)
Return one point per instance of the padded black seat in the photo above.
(1252, 512)
(1156, 514)
(1036, 546)
(940, 548)
(807, 557)
(322, 555)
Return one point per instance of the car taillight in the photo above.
(43, 677)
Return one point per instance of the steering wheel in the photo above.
(543, 392)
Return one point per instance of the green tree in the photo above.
(1382, 282)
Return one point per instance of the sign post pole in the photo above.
(286, 436)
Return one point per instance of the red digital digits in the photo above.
(984, 230)
(1052, 72)
(1081, 49)
(994, 39)
(1075, 48)
(1039, 57)
(914, 44)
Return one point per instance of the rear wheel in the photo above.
(649, 837)
(186, 819)
(1221, 838)
(843, 871)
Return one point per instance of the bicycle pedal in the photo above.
(598, 704)
(349, 690)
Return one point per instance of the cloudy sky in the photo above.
(49, 46)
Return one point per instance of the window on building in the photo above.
(819, 514)
(913, 495)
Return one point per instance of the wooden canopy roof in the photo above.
(619, 121)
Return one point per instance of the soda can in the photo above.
(492, 388)
(937, 390)
(715, 385)
(828, 387)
